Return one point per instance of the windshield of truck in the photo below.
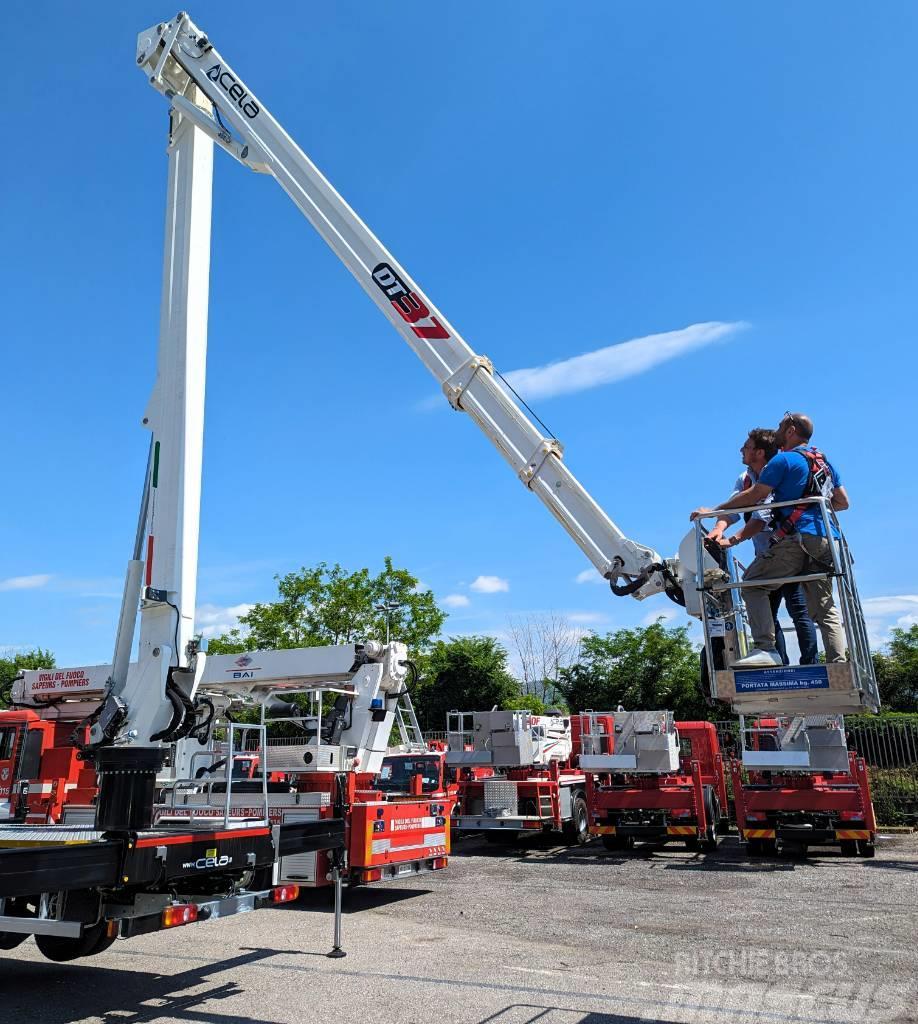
(395, 774)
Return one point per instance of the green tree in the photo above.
(897, 670)
(329, 605)
(526, 702)
(11, 666)
(465, 673)
(644, 668)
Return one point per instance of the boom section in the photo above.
(177, 55)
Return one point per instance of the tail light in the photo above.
(181, 913)
(372, 874)
(755, 816)
(438, 862)
(284, 893)
(532, 824)
(851, 815)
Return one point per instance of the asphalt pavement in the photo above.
(522, 935)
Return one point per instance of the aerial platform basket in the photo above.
(848, 687)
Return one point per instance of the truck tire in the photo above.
(577, 830)
(755, 847)
(848, 847)
(93, 940)
(10, 940)
(712, 813)
(618, 843)
(866, 848)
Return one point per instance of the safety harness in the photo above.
(819, 484)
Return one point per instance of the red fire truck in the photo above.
(329, 763)
(390, 831)
(650, 778)
(42, 779)
(778, 808)
(516, 775)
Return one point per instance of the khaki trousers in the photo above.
(796, 555)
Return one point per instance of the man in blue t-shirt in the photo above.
(800, 545)
(759, 449)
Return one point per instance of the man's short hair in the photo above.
(762, 437)
(801, 423)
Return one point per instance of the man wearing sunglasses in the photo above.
(757, 451)
(800, 545)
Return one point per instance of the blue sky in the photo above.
(560, 179)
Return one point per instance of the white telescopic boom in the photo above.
(176, 56)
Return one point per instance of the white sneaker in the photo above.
(759, 659)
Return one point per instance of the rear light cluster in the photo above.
(372, 874)
(285, 893)
(755, 816)
(851, 815)
(438, 862)
(532, 824)
(181, 913)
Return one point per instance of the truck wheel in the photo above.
(93, 940)
(712, 813)
(618, 843)
(10, 940)
(577, 830)
(866, 848)
(691, 843)
(848, 847)
(754, 847)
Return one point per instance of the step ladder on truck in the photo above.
(532, 785)
(795, 782)
(651, 779)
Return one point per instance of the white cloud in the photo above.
(214, 620)
(25, 582)
(489, 584)
(885, 606)
(881, 614)
(616, 362)
(455, 601)
(589, 576)
(587, 618)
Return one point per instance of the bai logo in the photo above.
(406, 303)
(234, 90)
(242, 670)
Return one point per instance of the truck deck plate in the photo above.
(15, 836)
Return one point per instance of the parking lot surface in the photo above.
(537, 933)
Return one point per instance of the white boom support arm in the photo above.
(177, 56)
(149, 703)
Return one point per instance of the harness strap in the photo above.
(816, 462)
